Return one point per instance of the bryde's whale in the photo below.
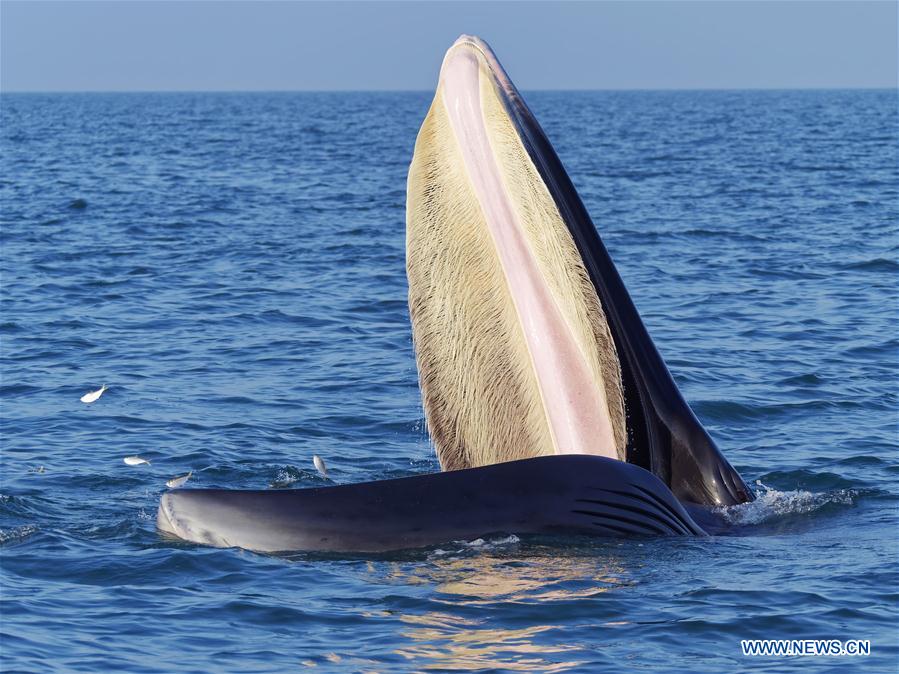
(549, 407)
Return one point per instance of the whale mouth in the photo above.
(514, 351)
(526, 340)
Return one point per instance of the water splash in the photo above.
(286, 477)
(479, 545)
(16, 534)
(772, 503)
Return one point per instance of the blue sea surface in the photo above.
(232, 267)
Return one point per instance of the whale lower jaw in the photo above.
(551, 496)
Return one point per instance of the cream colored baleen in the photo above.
(514, 354)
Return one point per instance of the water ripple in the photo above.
(233, 267)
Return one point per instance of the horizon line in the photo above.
(425, 91)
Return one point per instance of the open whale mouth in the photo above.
(526, 340)
(537, 374)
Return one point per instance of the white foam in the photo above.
(16, 533)
(285, 478)
(772, 503)
(479, 545)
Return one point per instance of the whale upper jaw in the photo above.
(568, 377)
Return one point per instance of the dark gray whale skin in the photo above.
(552, 495)
(664, 435)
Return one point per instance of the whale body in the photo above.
(550, 408)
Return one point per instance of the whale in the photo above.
(550, 408)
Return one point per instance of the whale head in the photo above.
(527, 342)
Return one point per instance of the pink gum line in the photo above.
(575, 407)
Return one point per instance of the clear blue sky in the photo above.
(130, 45)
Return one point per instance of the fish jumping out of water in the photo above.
(319, 464)
(93, 396)
(549, 406)
(179, 481)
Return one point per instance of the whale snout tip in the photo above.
(470, 53)
(196, 516)
(165, 516)
(465, 38)
(469, 43)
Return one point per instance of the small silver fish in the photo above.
(319, 465)
(176, 482)
(135, 461)
(93, 395)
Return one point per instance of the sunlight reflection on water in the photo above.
(466, 639)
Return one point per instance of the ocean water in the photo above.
(231, 266)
